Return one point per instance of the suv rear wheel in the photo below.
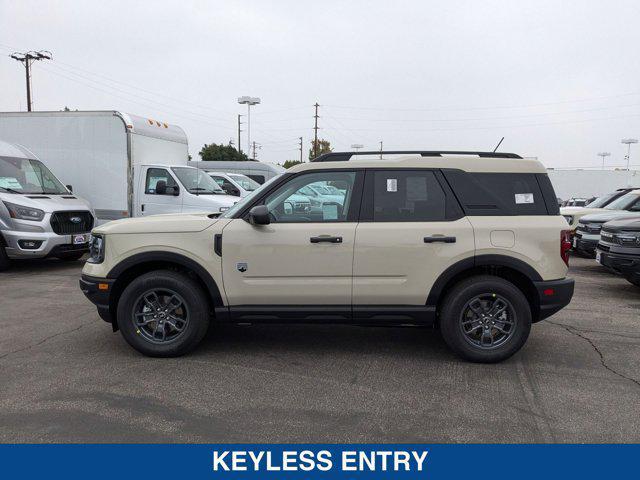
(485, 319)
(4, 259)
(163, 314)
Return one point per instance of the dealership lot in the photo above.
(64, 377)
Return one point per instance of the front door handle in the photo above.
(325, 239)
(440, 239)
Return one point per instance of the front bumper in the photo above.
(626, 265)
(98, 291)
(553, 296)
(51, 244)
(586, 243)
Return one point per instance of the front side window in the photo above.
(245, 182)
(155, 175)
(297, 201)
(407, 196)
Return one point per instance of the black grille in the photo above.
(62, 223)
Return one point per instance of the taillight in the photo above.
(565, 245)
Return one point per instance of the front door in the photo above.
(166, 200)
(302, 261)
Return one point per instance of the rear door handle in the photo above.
(440, 239)
(325, 239)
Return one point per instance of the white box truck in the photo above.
(124, 165)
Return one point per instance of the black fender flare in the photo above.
(175, 258)
(479, 261)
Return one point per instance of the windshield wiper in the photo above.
(11, 190)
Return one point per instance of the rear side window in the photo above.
(407, 196)
(500, 193)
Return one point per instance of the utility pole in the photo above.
(27, 59)
(300, 149)
(255, 145)
(239, 144)
(380, 142)
(315, 128)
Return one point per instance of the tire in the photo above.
(633, 281)
(147, 335)
(464, 303)
(71, 257)
(5, 263)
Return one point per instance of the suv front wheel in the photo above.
(163, 314)
(485, 319)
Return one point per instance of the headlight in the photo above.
(24, 213)
(96, 249)
(568, 218)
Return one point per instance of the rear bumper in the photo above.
(623, 264)
(553, 296)
(98, 291)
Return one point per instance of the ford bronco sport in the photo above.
(470, 242)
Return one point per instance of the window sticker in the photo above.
(524, 198)
(10, 182)
(329, 211)
(392, 184)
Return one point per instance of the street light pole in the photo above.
(249, 101)
(628, 142)
(603, 155)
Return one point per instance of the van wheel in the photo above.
(485, 319)
(4, 260)
(163, 314)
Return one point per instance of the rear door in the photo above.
(154, 203)
(411, 229)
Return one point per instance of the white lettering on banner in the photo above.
(308, 460)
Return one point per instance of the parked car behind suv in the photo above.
(587, 234)
(470, 242)
(619, 248)
(574, 214)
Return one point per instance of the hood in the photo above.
(170, 223)
(48, 203)
(605, 217)
(578, 210)
(218, 200)
(624, 225)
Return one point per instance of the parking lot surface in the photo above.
(65, 377)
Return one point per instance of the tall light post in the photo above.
(628, 142)
(249, 101)
(603, 155)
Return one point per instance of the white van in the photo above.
(124, 165)
(39, 216)
(255, 170)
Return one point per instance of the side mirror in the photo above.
(70, 188)
(161, 187)
(259, 215)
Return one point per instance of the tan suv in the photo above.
(470, 242)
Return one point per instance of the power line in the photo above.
(27, 59)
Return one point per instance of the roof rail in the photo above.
(346, 156)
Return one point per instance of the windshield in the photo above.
(623, 202)
(197, 181)
(245, 182)
(21, 175)
(602, 201)
(240, 205)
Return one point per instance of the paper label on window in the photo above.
(392, 185)
(329, 211)
(10, 182)
(524, 197)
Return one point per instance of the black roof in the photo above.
(346, 156)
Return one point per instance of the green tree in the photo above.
(221, 153)
(323, 147)
(291, 163)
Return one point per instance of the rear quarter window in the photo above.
(502, 193)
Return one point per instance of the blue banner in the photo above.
(317, 461)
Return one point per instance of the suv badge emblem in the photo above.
(242, 267)
(75, 219)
